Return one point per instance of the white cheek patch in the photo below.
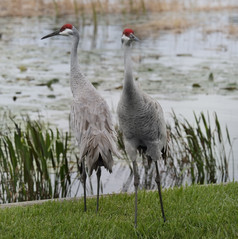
(125, 38)
(66, 32)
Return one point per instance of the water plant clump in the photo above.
(199, 152)
(34, 163)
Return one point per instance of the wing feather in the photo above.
(92, 126)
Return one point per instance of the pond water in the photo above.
(189, 70)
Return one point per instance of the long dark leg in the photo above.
(157, 180)
(136, 183)
(84, 177)
(98, 185)
(145, 163)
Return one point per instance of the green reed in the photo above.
(200, 150)
(34, 163)
(95, 18)
(56, 7)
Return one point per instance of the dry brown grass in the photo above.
(230, 30)
(167, 23)
(233, 30)
(215, 8)
(63, 7)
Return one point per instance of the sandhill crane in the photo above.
(141, 121)
(90, 118)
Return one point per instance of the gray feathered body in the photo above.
(141, 118)
(90, 119)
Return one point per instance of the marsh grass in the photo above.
(175, 23)
(200, 151)
(34, 163)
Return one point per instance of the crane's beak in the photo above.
(133, 37)
(51, 34)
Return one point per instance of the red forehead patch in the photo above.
(69, 26)
(128, 31)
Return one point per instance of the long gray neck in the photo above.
(77, 80)
(129, 86)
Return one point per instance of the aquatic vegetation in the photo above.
(37, 162)
(199, 152)
(49, 83)
(34, 163)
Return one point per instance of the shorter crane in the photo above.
(141, 121)
(91, 119)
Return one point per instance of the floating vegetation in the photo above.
(231, 87)
(51, 96)
(196, 85)
(22, 68)
(49, 83)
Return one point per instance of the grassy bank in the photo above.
(192, 212)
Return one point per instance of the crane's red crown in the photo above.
(128, 31)
(69, 26)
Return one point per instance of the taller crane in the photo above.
(141, 121)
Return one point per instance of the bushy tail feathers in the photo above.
(97, 147)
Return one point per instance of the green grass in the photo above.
(192, 212)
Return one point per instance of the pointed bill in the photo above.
(51, 34)
(134, 38)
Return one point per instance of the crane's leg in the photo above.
(136, 183)
(84, 177)
(147, 163)
(146, 167)
(157, 180)
(132, 152)
(98, 185)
